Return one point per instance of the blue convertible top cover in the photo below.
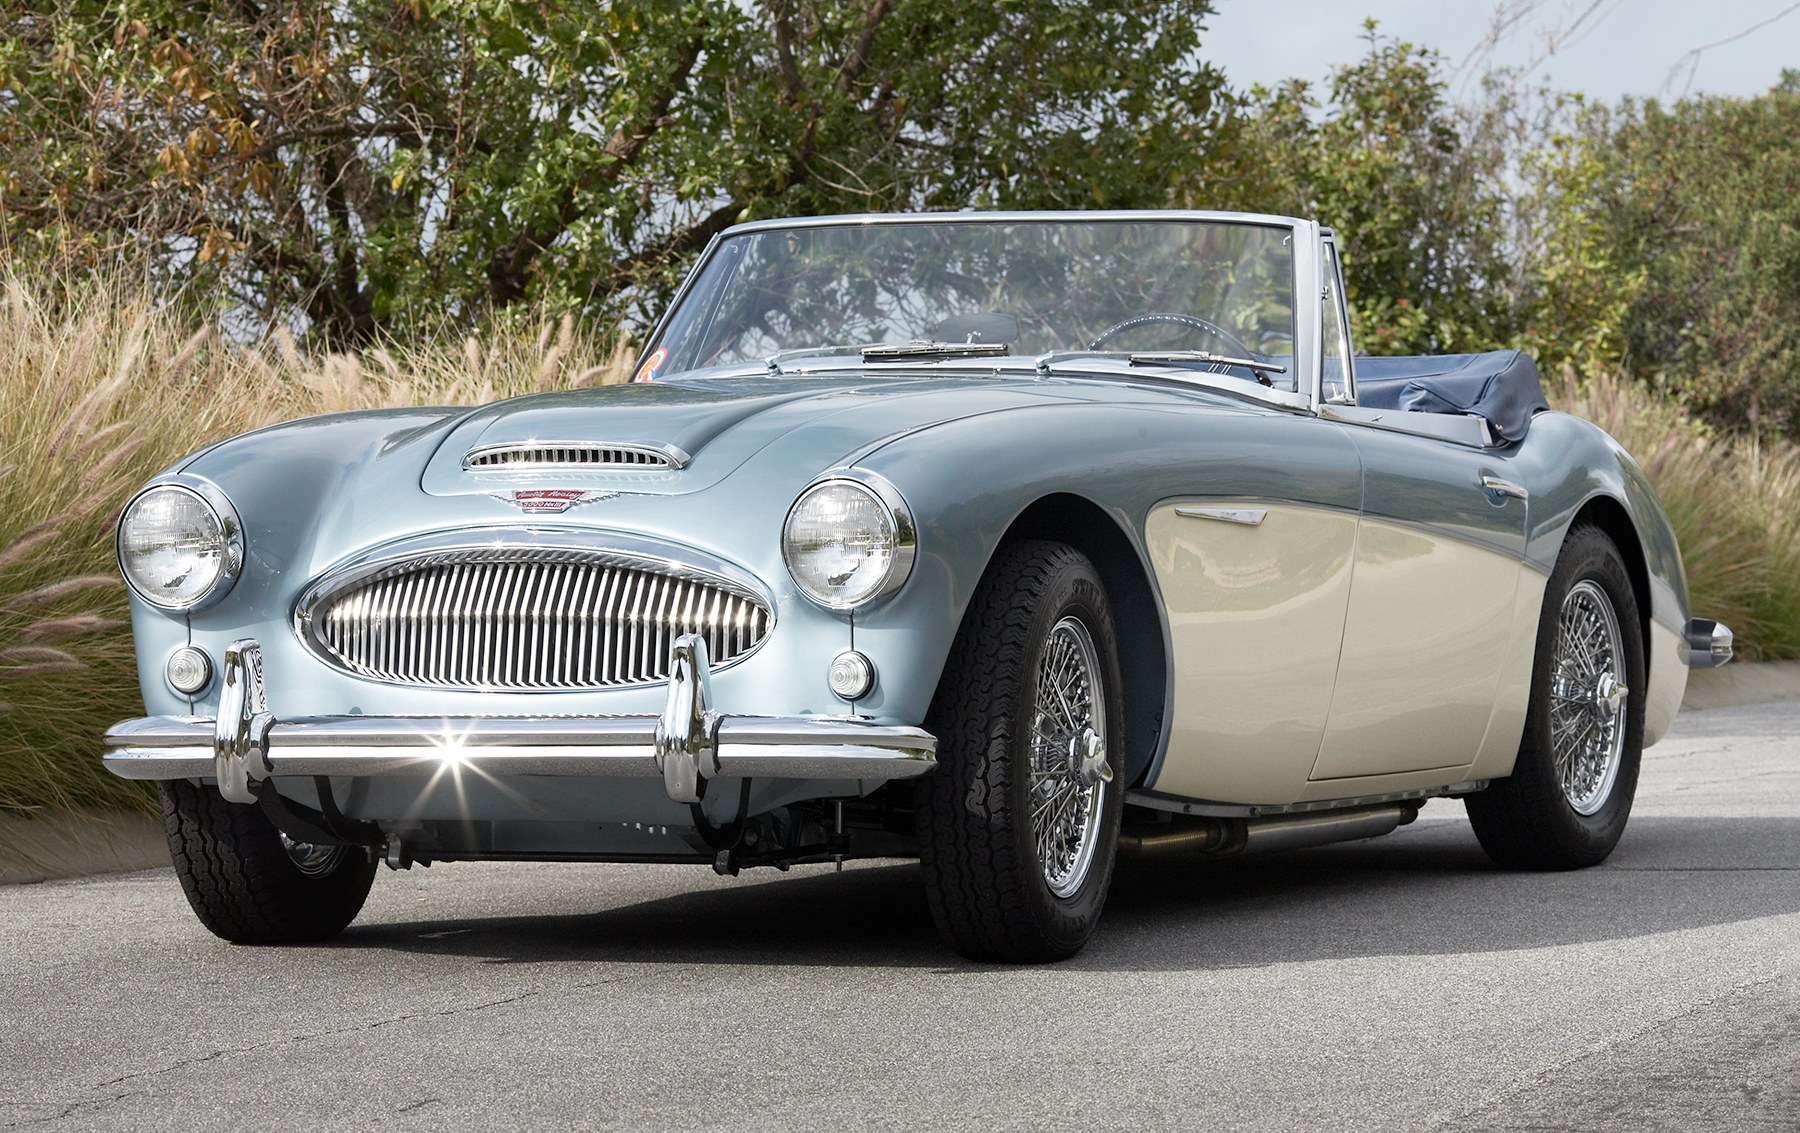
(1500, 385)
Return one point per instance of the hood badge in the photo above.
(551, 501)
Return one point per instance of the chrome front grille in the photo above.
(560, 454)
(526, 619)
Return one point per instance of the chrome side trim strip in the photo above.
(1248, 516)
(1157, 800)
(1461, 429)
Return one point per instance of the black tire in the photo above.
(1529, 820)
(989, 893)
(242, 881)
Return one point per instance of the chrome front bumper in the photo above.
(688, 743)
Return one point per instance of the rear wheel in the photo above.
(249, 882)
(1570, 793)
(1018, 825)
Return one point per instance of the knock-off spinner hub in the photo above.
(1609, 696)
(1087, 758)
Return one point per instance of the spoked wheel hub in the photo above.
(1588, 699)
(1069, 770)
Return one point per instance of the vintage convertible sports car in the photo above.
(1009, 541)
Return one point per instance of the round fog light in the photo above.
(189, 670)
(852, 675)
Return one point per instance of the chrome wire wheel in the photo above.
(1588, 698)
(313, 860)
(1069, 771)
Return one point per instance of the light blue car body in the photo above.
(1080, 451)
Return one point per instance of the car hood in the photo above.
(316, 492)
(810, 423)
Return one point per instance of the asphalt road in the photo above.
(1400, 983)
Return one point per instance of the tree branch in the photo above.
(780, 13)
(680, 243)
(858, 60)
(350, 315)
(508, 267)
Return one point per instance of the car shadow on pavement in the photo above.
(1426, 890)
(871, 915)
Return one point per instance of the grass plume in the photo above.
(100, 388)
(1734, 503)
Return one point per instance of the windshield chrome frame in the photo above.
(1304, 235)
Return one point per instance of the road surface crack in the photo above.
(1534, 1080)
(251, 1048)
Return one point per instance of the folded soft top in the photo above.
(1501, 386)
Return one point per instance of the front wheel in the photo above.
(1018, 825)
(250, 883)
(1570, 792)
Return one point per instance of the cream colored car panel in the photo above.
(1328, 790)
(1417, 683)
(1256, 617)
(1500, 748)
(1668, 681)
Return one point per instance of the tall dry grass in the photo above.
(100, 388)
(1734, 503)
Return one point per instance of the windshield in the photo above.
(1025, 287)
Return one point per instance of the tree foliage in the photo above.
(1660, 241)
(362, 167)
(351, 166)
(1409, 181)
(1703, 197)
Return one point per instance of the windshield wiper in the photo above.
(1165, 358)
(924, 348)
(892, 351)
(1206, 358)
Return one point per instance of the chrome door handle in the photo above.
(1501, 487)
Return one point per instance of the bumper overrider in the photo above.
(1707, 644)
(688, 744)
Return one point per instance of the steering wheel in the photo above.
(1237, 345)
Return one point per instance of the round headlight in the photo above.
(848, 542)
(180, 546)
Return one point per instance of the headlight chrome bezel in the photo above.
(231, 529)
(900, 521)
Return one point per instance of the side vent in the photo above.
(574, 454)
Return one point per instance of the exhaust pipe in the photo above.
(1221, 837)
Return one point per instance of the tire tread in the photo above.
(982, 897)
(238, 876)
(1523, 821)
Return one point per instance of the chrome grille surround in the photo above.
(525, 609)
(512, 456)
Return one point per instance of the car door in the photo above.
(1435, 625)
(1432, 612)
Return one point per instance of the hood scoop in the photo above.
(516, 456)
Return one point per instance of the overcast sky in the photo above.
(1605, 48)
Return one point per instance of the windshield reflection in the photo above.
(1024, 287)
